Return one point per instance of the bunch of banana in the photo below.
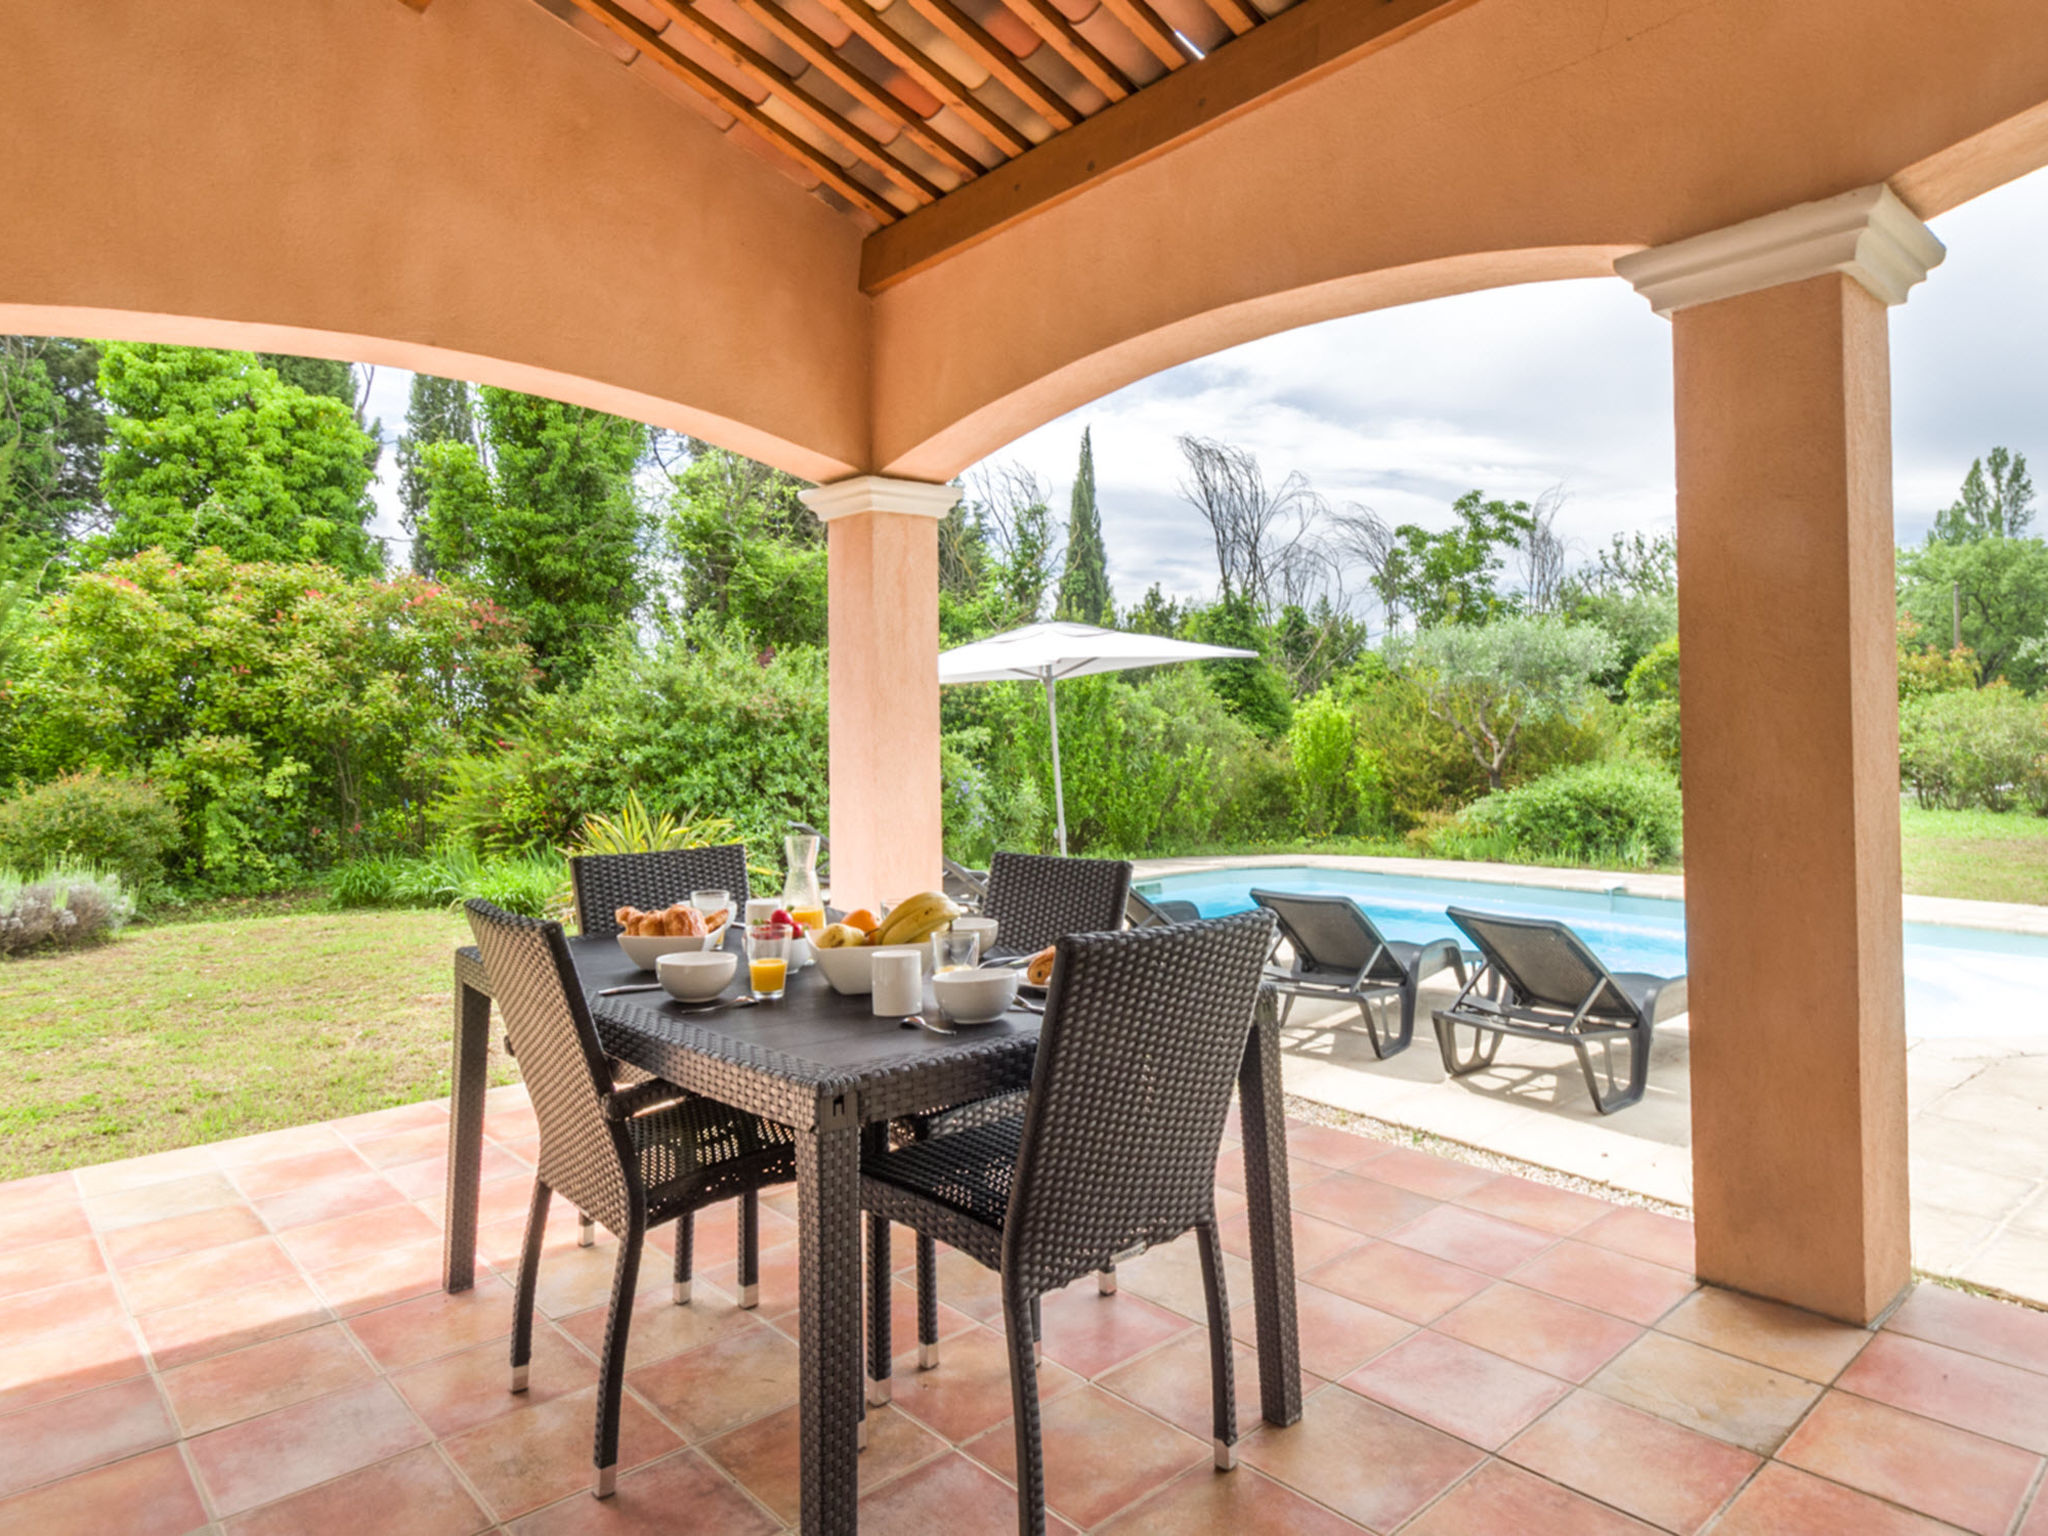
(838, 936)
(916, 919)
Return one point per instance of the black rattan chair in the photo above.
(1341, 956)
(1038, 899)
(1547, 985)
(633, 1158)
(604, 882)
(1115, 1151)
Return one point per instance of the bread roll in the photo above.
(1039, 971)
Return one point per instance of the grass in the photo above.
(1977, 855)
(202, 1031)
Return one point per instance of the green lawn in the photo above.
(1977, 855)
(201, 1031)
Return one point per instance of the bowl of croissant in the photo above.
(675, 930)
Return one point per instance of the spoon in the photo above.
(919, 1021)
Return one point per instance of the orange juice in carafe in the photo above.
(801, 897)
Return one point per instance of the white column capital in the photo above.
(1867, 234)
(880, 493)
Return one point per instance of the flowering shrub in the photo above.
(60, 909)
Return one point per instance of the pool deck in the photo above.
(1979, 1108)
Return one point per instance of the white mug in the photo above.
(899, 983)
(761, 908)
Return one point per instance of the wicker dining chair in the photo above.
(632, 1157)
(1115, 1151)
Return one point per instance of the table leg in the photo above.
(829, 1310)
(471, 1075)
(1264, 1122)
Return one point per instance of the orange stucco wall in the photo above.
(475, 190)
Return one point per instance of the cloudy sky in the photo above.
(1520, 391)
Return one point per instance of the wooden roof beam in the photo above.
(623, 23)
(979, 44)
(1238, 15)
(1050, 23)
(1151, 29)
(930, 74)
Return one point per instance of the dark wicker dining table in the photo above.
(823, 1065)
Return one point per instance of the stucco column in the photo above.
(883, 542)
(1789, 699)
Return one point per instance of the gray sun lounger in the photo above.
(1150, 912)
(1539, 981)
(1340, 956)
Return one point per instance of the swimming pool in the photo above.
(1961, 983)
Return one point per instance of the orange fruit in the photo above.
(863, 919)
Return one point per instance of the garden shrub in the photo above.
(1621, 813)
(531, 884)
(62, 908)
(1985, 748)
(1652, 694)
(1319, 747)
(102, 821)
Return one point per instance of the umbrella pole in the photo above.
(1059, 798)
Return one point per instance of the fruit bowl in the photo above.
(851, 971)
(643, 949)
(975, 997)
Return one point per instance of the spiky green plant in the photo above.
(635, 829)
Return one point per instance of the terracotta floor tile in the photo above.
(1366, 1462)
(435, 1325)
(948, 1497)
(970, 1391)
(535, 1455)
(1641, 1464)
(1968, 1391)
(576, 1279)
(389, 1122)
(273, 1146)
(1594, 1277)
(264, 1377)
(1090, 1333)
(1950, 1474)
(404, 1146)
(1500, 1500)
(71, 1305)
(1230, 1168)
(41, 1192)
(208, 1272)
(1459, 1389)
(1642, 1234)
(382, 1279)
(1336, 1335)
(1399, 1280)
(1331, 1147)
(280, 1453)
(52, 1440)
(970, 1288)
(903, 1317)
(647, 1504)
(499, 1200)
(159, 1202)
(153, 1171)
(1977, 1325)
(1440, 1178)
(328, 1201)
(1473, 1239)
(724, 1384)
(427, 1178)
(1784, 1338)
(1316, 1241)
(1171, 1276)
(1243, 1503)
(1539, 1331)
(1545, 1207)
(2036, 1523)
(280, 1175)
(179, 1335)
(766, 1456)
(58, 1363)
(1173, 1382)
(157, 1240)
(462, 1390)
(48, 1222)
(46, 1264)
(1101, 1454)
(414, 1494)
(1362, 1203)
(1782, 1501)
(1733, 1400)
(147, 1495)
(660, 1328)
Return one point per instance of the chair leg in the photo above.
(879, 1347)
(1022, 1334)
(1638, 1072)
(612, 1379)
(686, 1246)
(529, 1279)
(1222, 1374)
(1105, 1280)
(1485, 1046)
(750, 1250)
(927, 1304)
(1411, 989)
(1037, 1330)
(586, 1231)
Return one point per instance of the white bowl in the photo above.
(975, 997)
(985, 926)
(696, 978)
(851, 972)
(644, 949)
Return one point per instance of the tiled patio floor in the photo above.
(248, 1338)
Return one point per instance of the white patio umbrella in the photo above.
(1048, 652)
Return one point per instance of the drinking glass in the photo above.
(709, 902)
(768, 960)
(953, 950)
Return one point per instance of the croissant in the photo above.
(1039, 971)
(625, 917)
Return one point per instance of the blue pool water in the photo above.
(1961, 983)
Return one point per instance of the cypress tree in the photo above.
(1084, 585)
(437, 411)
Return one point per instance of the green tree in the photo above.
(1630, 590)
(1997, 502)
(315, 375)
(1452, 577)
(1084, 587)
(1253, 690)
(2000, 585)
(748, 551)
(545, 517)
(1488, 681)
(52, 431)
(1156, 614)
(437, 410)
(212, 448)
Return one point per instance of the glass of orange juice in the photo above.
(768, 959)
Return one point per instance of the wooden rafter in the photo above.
(928, 73)
(1238, 15)
(979, 44)
(1050, 23)
(623, 23)
(1151, 29)
(753, 62)
(823, 57)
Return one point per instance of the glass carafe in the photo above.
(801, 897)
